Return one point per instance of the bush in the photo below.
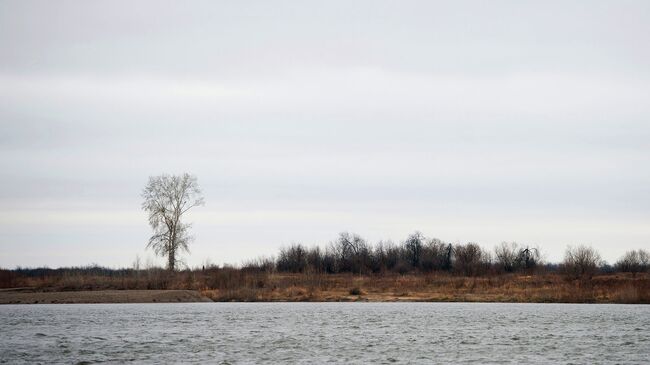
(356, 291)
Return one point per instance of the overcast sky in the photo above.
(477, 121)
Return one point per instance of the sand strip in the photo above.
(101, 296)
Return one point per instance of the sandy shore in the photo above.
(21, 296)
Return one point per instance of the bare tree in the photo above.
(166, 199)
(386, 256)
(511, 257)
(413, 249)
(470, 259)
(507, 256)
(529, 258)
(634, 261)
(436, 255)
(292, 258)
(644, 259)
(352, 252)
(581, 262)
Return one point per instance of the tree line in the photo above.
(350, 253)
(168, 197)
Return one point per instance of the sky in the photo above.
(470, 121)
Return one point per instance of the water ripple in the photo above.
(309, 333)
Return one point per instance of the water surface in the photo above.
(313, 333)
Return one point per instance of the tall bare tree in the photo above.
(166, 199)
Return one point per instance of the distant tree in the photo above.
(378, 258)
(581, 262)
(447, 261)
(316, 260)
(644, 259)
(292, 259)
(511, 257)
(528, 258)
(330, 260)
(634, 261)
(352, 251)
(507, 256)
(166, 199)
(436, 255)
(385, 256)
(470, 259)
(413, 249)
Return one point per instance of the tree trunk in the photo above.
(171, 258)
(171, 261)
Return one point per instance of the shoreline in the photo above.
(234, 285)
(30, 296)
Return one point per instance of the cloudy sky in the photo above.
(469, 121)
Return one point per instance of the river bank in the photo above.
(237, 286)
(543, 288)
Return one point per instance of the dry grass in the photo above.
(548, 288)
(229, 284)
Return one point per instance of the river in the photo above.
(314, 333)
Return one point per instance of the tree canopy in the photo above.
(166, 199)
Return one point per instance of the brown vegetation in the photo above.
(551, 288)
(231, 284)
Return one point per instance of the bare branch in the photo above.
(166, 199)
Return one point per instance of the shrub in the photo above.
(355, 291)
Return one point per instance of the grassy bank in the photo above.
(233, 284)
(550, 288)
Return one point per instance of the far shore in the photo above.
(237, 286)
